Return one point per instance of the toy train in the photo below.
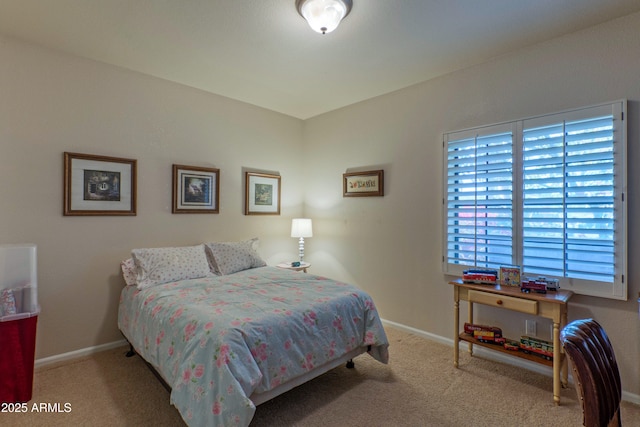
(512, 345)
(488, 334)
(552, 284)
(481, 276)
(527, 344)
(536, 346)
(528, 286)
(540, 285)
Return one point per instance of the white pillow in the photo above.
(129, 272)
(161, 265)
(231, 257)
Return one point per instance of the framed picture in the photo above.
(195, 189)
(362, 184)
(262, 194)
(99, 185)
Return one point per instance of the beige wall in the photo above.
(392, 245)
(51, 103)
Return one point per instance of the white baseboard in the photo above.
(496, 356)
(78, 353)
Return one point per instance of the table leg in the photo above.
(470, 320)
(456, 325)
(556, 363)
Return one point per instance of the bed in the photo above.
(225, 343)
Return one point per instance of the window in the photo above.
(546, 193)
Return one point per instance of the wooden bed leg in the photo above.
(131, 351)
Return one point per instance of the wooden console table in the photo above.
(552, 305)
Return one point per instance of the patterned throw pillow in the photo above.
(162, 265)
(129, 272)
(231, 257)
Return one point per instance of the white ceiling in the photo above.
(263, 53)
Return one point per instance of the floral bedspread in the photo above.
(218, 340)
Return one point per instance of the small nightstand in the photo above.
(303, 266)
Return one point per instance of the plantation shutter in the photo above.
(479, 198)
(569, 196)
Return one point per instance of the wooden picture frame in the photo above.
(262, 194)
(98, 185)
(363, 184)
(195, 190)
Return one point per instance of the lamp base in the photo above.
(301, 249)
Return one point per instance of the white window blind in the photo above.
(547, 195)
(479, 198)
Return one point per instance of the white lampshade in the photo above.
(323, 16)
(301, 227)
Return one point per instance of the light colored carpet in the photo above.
(419, 387)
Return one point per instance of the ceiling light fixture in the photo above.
(323, 16)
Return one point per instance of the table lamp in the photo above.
(301, 227)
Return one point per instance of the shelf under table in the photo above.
(501, 349)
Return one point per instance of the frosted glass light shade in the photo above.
(323, 16)
(301, 227)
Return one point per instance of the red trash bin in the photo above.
(17, 353)
(19, 311)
